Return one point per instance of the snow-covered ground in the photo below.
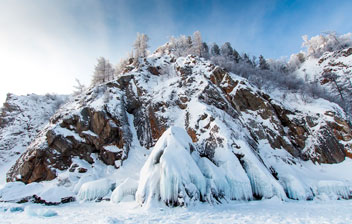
(266, 211)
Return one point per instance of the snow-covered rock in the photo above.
(94, 189)
(332, 71)
(234, 141)
(21, 119)
(55, 195)
(18, 191)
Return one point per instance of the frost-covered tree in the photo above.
(215, 50)
(185, 45)
(338, 87)
(246, 59)
(236, 56)
(141, 45)
(121, 66)
(103, 71)
(181, 46)
(296, 60)
(197, 43)
(262, 63)
(226, 50)
(328, 41)
(78, 88)
(205, 50)
(254, 61)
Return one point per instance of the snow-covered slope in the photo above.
(333, 71)
(242, 143)
(21, 119)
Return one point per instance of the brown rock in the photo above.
(192, 133)
(153, 70)
(40, 162)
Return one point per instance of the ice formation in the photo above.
(128, 187)
(170, 173)
(94, 189)
(39, 212)
(263, 183)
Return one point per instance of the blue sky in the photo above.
(52, 42)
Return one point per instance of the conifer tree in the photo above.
(262, 63)
(215, 50)
(226, 50)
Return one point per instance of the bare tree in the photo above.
(197, 43)
(141, 45)
(103, 71)
(78, 88)
(333, 78)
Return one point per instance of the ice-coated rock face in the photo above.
(170, 173)
(241, 142)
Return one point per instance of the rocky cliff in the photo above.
(21, 119)
(235, 126)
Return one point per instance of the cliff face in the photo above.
(229, 121)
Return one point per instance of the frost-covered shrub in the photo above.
(296, 60)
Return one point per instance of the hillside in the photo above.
(332, 70)
(21, 119)
(243, 144)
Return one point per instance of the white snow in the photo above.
(16, 191)
(65, 132)
(55, 194)
(89, 132)
(252, 212)
(126, 188)
(94, 189)
(37, 211)
(112, 148)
